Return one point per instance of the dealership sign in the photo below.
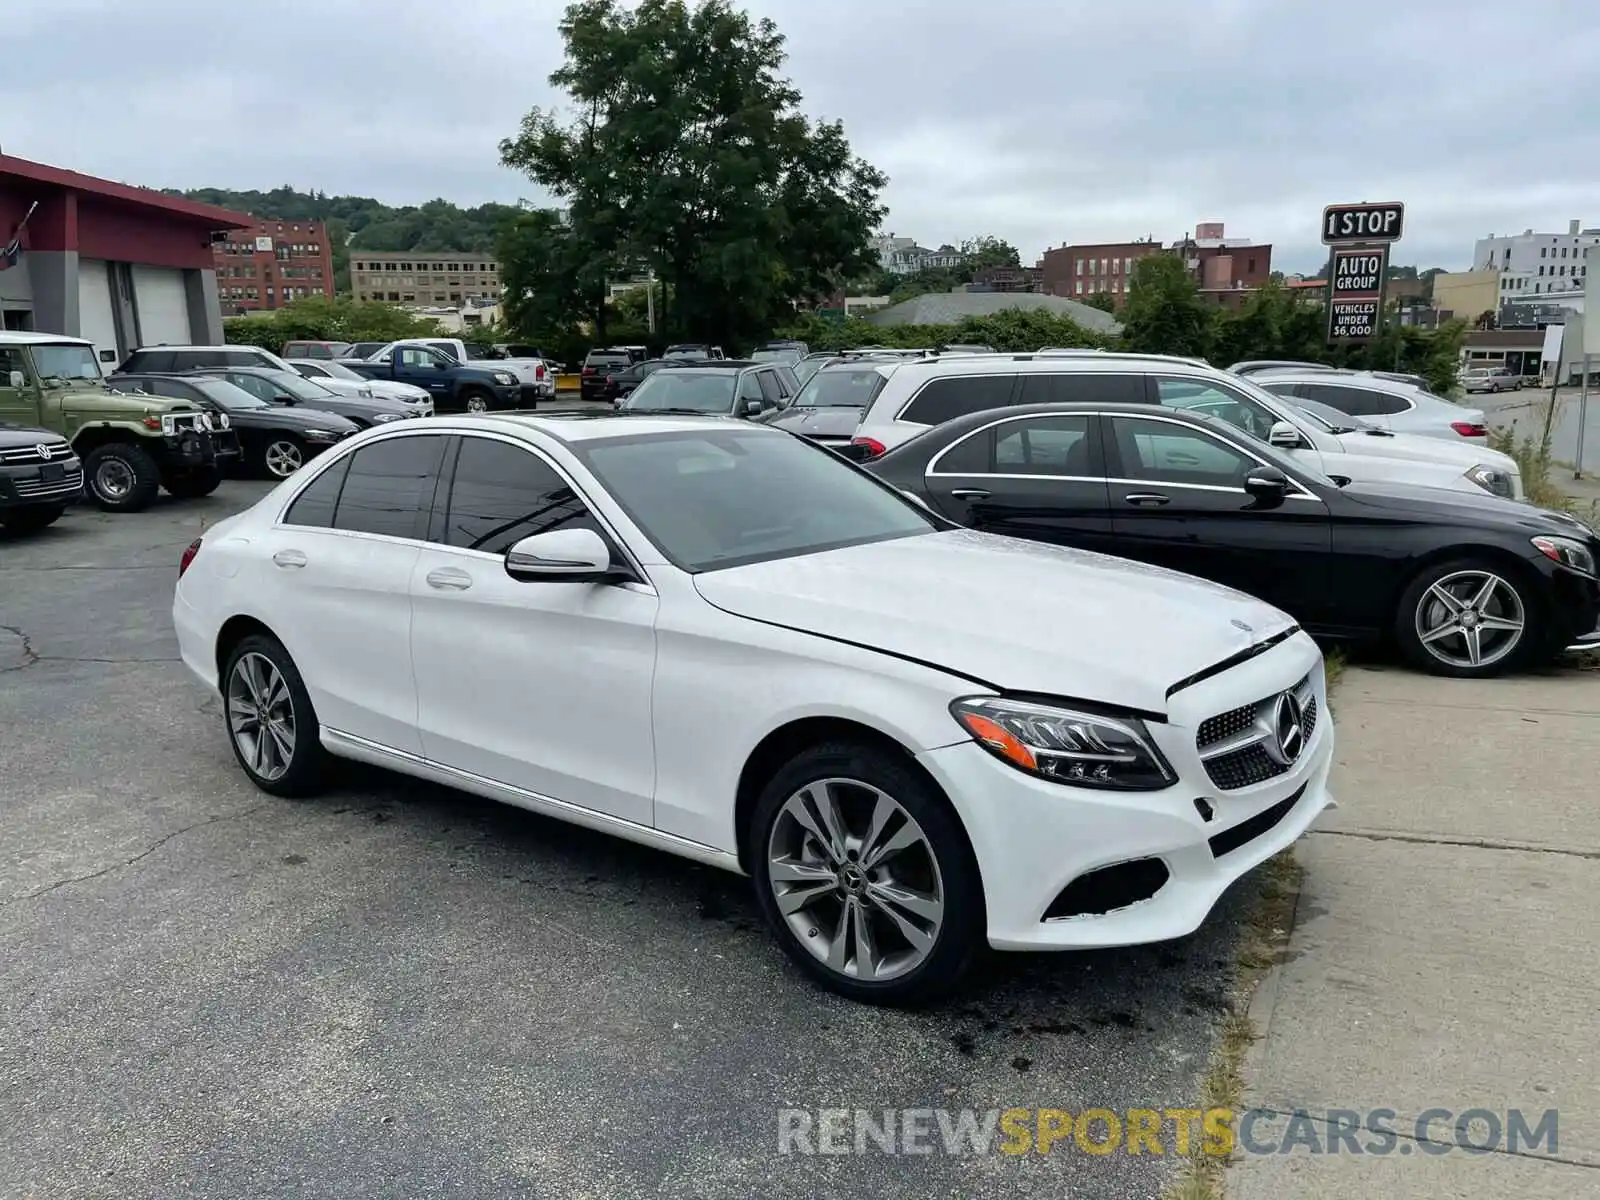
(1358, 267)
(1349, 224)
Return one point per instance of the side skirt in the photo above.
(348, 745)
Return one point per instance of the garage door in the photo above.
(95, 318)
(163, 307)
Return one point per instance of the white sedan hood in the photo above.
(1017, 615)
(1462, 454)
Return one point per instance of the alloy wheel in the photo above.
(113, 479)
(1470, 619)
(261, 716)
(284, 459)
(477, 404)
(856, 879)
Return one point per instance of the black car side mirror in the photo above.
(286, 401)
(1267, 485)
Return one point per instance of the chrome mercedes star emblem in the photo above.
(1289, 727)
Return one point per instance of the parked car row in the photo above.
(917, 739)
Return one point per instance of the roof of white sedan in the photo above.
(581, 426)
(16, 337)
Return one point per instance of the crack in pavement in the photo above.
(1412, 1137)
(143, 854)
(29, 655)
(1470, 843)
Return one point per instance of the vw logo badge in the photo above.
(1288, 727)
(45, 450)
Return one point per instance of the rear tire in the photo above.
(271, 725)
(1471, 618)
(886, 907)
(31, 518)
(191, 485)
(121, 477)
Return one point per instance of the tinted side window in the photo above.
(1162, 452)
(771, 396)
(1358, 402)
(168, 387)
(258, 387)
(1082, 388)
(503, 494)
(316, 505)
(1236, 409)
(236, 358)
(972, 455)
(1043, 446)
(943, 399)
(189, 360)
(150, 360)
(1285, 389)
(389, 488)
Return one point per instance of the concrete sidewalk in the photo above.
(1444, 952)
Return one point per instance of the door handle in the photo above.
(290, 559)
(969, 493)
(449, 579)
(1147, 499)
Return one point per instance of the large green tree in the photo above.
(1165, 313)
(683, 151)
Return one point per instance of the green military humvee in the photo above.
(131, 444)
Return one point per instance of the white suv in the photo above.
(918, 395)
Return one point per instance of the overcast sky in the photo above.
(1040, 121)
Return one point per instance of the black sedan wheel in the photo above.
(1469, 618)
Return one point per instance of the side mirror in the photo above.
(286, 401)
(441, 366)
(18, 380)
(561, 556)
(752, 408)
(1268, 485)
(1285, 436)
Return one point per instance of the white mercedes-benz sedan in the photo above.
(723, 641)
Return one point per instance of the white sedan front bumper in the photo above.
(1179, 849)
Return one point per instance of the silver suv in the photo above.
(917, 395)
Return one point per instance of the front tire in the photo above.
(1469, 618)
(191, 485)
(121, 477)
(32, 518)
(282, 456)
(271, 725)
(865, 876)
(477, 401)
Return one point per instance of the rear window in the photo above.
(841, 389)
(945, 399)
(597, 359)
(1358, 402)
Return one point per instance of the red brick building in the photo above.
(273, 263)
(1225, 269)
(1078, 272)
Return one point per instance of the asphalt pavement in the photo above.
(1525, 409)
(400, 990)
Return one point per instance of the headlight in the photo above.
(321, 435)
(222, 421)
(364, 393)
(204, 421)
(1066, 745)
(1493, 479)
(504, 377)
(1569, 552)
(382, 417)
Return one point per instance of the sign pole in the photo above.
(1583, 413)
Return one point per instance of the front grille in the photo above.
(1238, 746)
(1250, 829)
(34, 489)
(23, 455)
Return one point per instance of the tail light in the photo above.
(610, 379)
(188, 557)
(871, 447)
(538, 372)
(1470, 428)
(588, 370)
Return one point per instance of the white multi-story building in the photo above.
(887, 245)
(1537, 264)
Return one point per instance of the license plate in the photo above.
(52, 473)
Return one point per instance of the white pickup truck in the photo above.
(537, 377)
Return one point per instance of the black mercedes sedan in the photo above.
(290, 388)
(275, 439)
(1465, 585)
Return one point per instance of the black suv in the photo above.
(727, 387)
(40, 474)
(192, 358)
(599, 364)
